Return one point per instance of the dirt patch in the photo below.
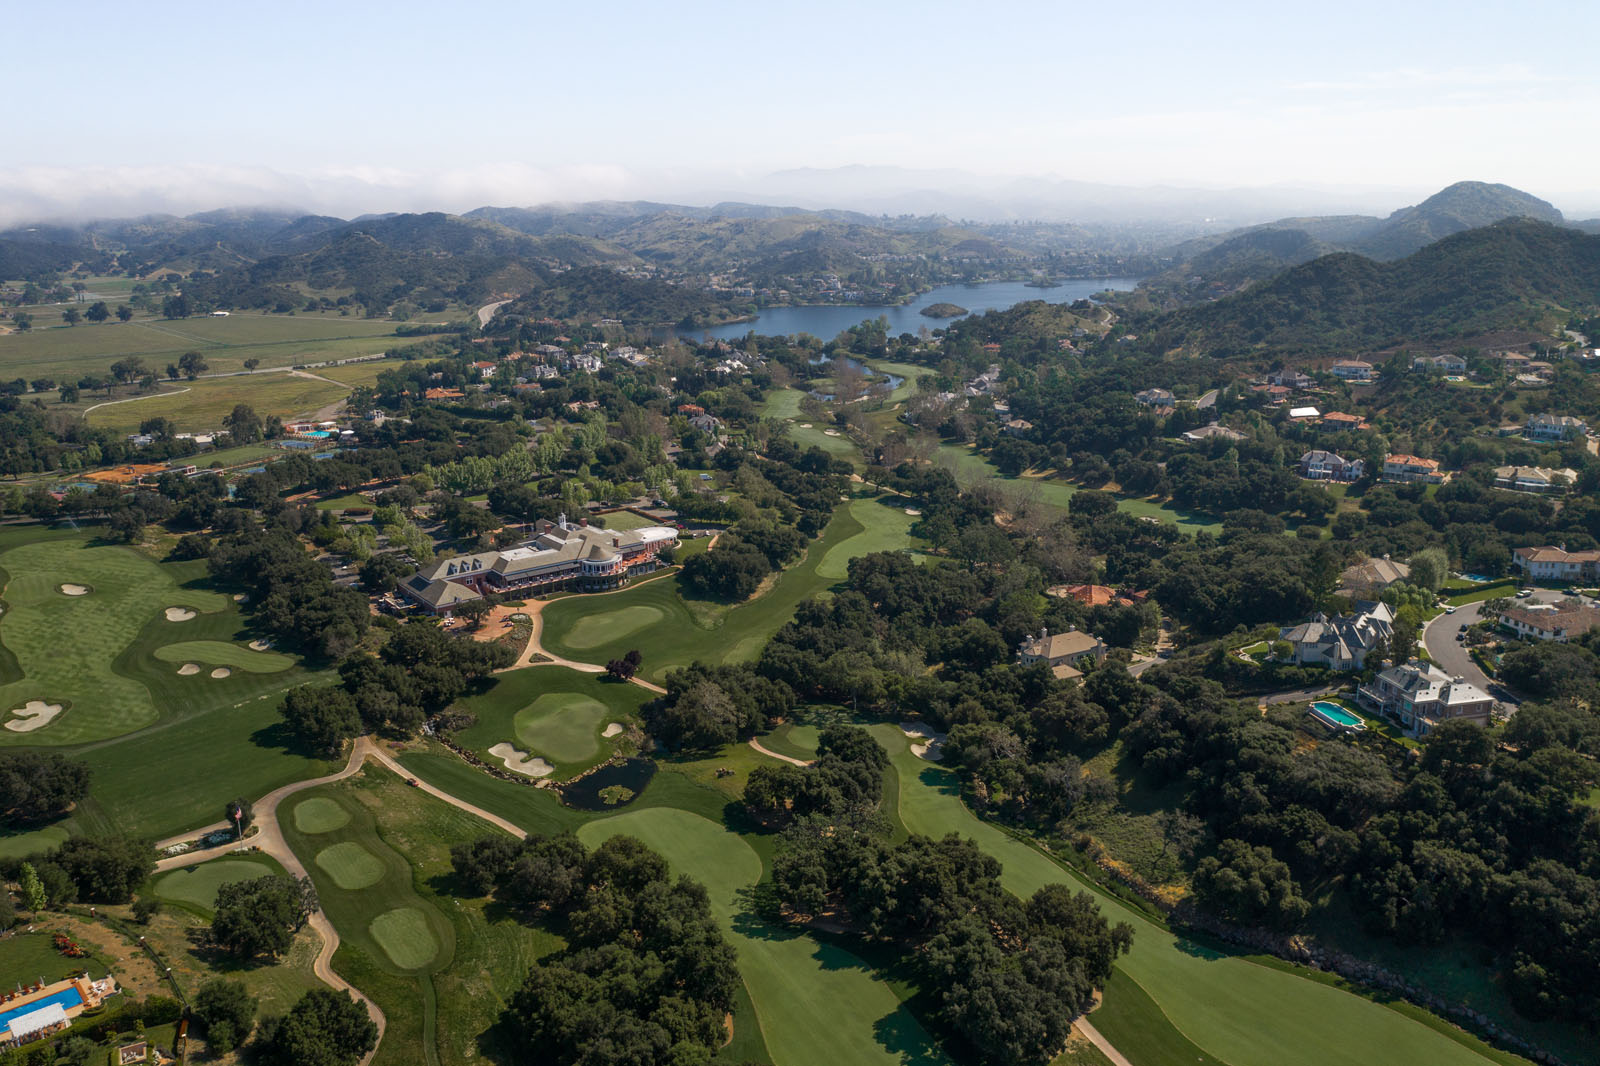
(73, 590)
(497, 623)
(35, 714)
(179, 614)
(612, 730)
(221, 672)
(520, 763)
(912, 511)
(188, 669)
(133, 969)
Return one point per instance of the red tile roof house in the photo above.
(1340, 420)
(1568, 621)
(1410, 468)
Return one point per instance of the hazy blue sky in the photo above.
(451, 105)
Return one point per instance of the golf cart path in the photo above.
(535, 613)
(268, 839)
(791, 760)
(1117, 1058)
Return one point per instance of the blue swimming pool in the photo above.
(67, 997)
(1332, 714)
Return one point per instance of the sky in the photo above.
(356, 106)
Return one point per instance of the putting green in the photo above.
(562, 726)
(816, 1002)
(21, 845)
(199, 884)
(221, 653)
(406, 937)
(605, 626)
(351, 866)
(1236, 1010)
(319, 815)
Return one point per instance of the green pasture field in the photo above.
(218, 653)
(364, 372)
(970, 468)
(204, 403)
(439, 1009)
(709, 632)
(816, 1002)
(196, 886)
(69, 352)
(553, 712)
(1229, 1007)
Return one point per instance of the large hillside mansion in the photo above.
(1344, 642)
(1556, 564)
(561, 555)
(1419, 696)
(1062, 651)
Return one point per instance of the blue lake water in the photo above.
(828, 321)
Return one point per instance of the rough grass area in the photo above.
(207, 401)
(197, 885)
(1231, 1008)
(219, 653)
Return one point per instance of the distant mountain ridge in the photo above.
(1231, 260)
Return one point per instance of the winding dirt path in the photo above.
(790, 759)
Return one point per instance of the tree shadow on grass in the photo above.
(901, 1035)
(279, 737)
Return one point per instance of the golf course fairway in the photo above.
(1243, 1013)
(816, 1003)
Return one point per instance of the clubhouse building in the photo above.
(561, 556)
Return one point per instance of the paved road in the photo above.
(486, 312)
(1451, 656)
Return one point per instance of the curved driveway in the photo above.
(1451, 655)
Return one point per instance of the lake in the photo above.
(828, 321)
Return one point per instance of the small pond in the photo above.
(585, 793)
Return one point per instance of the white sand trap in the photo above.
(260, 645)
(912, 511)
(35, 714)
(188, 669)
(221, 672)
(241, 597)
(179, 614)
(518, 763)
(926, 742)
(612, 730)
(74, 590)
(830, 433)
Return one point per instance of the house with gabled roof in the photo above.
(1342, 642)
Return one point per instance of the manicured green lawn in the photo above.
(1231, 1008)
(553, 712)
(352, 867)
(319, 815)
(784, 404)
(208, 400)
(817, 1003)
(885, 527)
(30, 956)
(709, 632)
(1479, 593)
(218, 653)
(607, 624)
(406, 936)
(621, 521)
(197, 885)
(20, 845)
(970, 468)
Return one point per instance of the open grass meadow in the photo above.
(439, 1006)
(1224, 1006)
(669, 631)
(552, 712)
(202, 404)
(69, 352)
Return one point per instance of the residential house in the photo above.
(1555, 427)
(1340, 420)
(1304, 414)
(1096, 595)
(1542, 621)
(1155, 397)
(1205, 433)
(1290, 379)
(485, 368)
(1064, 652)
(1556, 564)
(1019, 427)
(706, 423)
(1541, 479)
(1419, 696)
(1405, 468)
(442, 394)
(1352, 370)
(1365, 581)
(1342, 642)
(1449, 364)
(1319, 465)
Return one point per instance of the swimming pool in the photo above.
(1331, 714)
(68, 998)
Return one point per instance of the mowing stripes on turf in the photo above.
(221, 653)
(351, 866)
(562, 726)
(405, 936)
(319, 815)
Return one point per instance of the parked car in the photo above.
(1449, 609)
(1523, 594)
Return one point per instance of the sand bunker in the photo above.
(74, 590)
(926, 742)
(612, 730)
(241, 597)
(221, 672)
(188, 669)
(830, 433)
(35, 714)
(805, 425)
(260, 645)
(518, 763)
(179, 614)
(912, 511)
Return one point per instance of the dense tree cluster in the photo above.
(645, 976)
(324, 1028)
(709, 706)
(844, 784)
(38, 785)
(261, 917)
(292, 596)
